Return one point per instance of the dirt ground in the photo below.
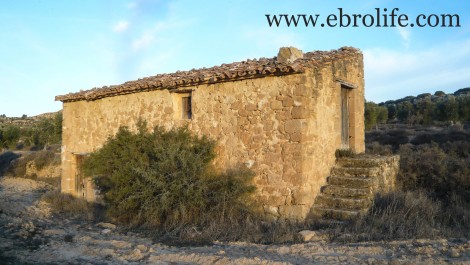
(30, 234)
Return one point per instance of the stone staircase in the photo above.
(352, 184)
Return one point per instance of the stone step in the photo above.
(335, 214)
(358, 162)
(335, 202)
(358, 172)
(350, 182)
(341, 191)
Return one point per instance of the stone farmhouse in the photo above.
(283, 117)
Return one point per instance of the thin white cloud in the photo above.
(131, 5)
(153, 40)
(121, 26)
(143, 41)
(392, 74)
(156, 33)
(405, 35)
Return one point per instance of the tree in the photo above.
(382, 114)
(447, 109)
(439, 93)
(404, 110)
(370, 115)
(464, 108)
(392, 111)
(425, 110)
(10, 136)
(374, 114)
(48, 131)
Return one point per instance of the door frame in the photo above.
(345, 112)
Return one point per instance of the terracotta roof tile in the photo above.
(248, 69)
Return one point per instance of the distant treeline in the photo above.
(423, 109)
(43, 132)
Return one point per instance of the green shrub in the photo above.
(9, 136)
(165, 179)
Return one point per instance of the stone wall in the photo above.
(286, 128)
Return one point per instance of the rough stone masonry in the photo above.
(283, 117)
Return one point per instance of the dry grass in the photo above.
(434, 195)
(345, 153)
(397, 215)
(68, 206)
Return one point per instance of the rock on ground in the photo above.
(29, 234)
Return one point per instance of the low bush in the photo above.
(394, 138)
(41, 160)
(6, 159)
(377, 149)
(166, 180)
(429, 167)
(441, 137)
(45, 158)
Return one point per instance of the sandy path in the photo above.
(30, 235)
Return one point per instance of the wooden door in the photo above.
(344, 117)
(78, 176)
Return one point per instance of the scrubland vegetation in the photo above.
(433, 199)
(164, 182)
(433, 196)
(34, 134)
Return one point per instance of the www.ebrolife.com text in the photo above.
(379, 18)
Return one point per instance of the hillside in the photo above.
(26, 121)
(32, 132)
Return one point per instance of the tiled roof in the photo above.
(224, 73)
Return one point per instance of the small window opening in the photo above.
(186, 112)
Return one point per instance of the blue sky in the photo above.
(51, 48)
